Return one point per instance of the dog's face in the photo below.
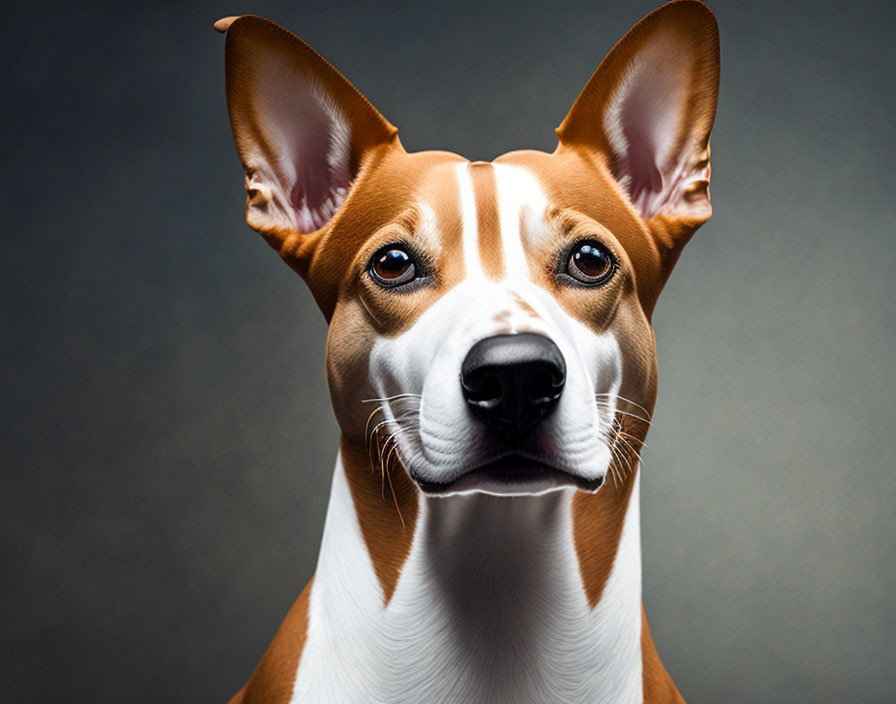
(433, 303)
(489, 322)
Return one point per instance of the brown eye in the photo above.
(392, 266)
(590, 263)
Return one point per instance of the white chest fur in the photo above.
(489, 608)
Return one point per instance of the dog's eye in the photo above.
(590, 263)
(392, 266)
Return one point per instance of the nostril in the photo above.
(541, 388)
(485, 391)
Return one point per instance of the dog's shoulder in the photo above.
(274, 677)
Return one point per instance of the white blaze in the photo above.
(470, 235)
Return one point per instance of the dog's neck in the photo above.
(490, 603)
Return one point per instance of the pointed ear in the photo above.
(302, 131)
(649, 110)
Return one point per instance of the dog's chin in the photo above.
(511, 476)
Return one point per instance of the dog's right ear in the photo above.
(303, 133)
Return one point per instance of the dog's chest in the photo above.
(489, 608)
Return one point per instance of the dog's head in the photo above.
(489, 322)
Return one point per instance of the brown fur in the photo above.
(387, 512)
(273, 679)
(484, 187)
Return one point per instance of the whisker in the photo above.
(603, 404)
(387, 464)
(367, 433)
(386, 452)
(632, 455)
(384, 423)
(388, 399)
(390, 443)
(625, 400)
(624, 451)
(636, 417)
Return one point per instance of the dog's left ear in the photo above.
(648, 110)
(303, 133)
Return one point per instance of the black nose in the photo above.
(512, 382)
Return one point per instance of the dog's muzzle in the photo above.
(511, 383)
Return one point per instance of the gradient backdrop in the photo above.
(167, 436)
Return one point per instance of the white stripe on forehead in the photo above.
(519, 194)
(428, 227)
(470, 235)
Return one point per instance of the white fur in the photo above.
(427, 360)
(470, 234)
(519, 195)
(428, 228)
(489, 608)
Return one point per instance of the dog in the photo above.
(492, 367)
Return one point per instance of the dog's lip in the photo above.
(509, 475)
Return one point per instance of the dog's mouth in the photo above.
(511, 476)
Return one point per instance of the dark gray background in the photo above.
(168, 441)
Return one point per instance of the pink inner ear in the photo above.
(644, 124)
(322, 170)
(311, 141)
(640, 161)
